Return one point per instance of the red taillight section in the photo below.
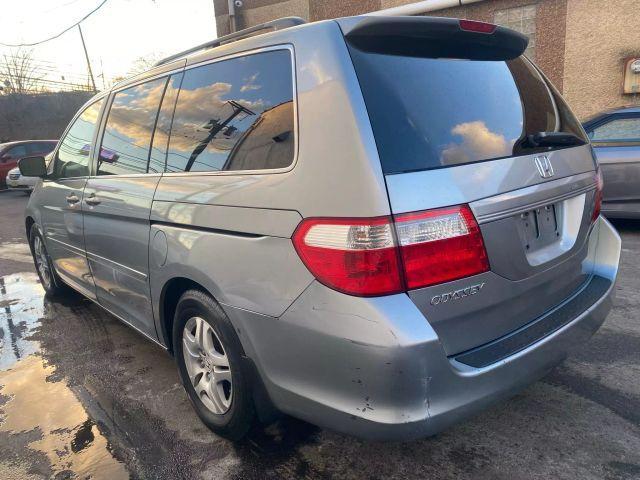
(478, 27)
(438, 246)
(354, 256)
(366, 257)
(598, 198)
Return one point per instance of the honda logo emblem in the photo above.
(543, 164)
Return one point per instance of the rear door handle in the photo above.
(92, 200)
(72, 199)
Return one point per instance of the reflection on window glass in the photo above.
(163, 126)
(622, 130)
(452, 111)
(73, 155)
(234, 115)
(127, 134)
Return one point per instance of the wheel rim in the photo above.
(42, 262)
(207, 365)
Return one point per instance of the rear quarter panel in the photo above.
(231, 232)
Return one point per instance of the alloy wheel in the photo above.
(207, 365)
(42, 262)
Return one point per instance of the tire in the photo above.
(51, 282)
(210, 362)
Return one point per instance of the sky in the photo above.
(116, 35)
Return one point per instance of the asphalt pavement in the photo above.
(84, 396)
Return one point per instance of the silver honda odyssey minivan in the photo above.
(379, 225)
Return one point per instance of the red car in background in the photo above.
(11, 152)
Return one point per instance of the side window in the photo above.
(72, 159)
(234, 114)
(127, 135)
(617, 130)
(41, 147)
(18, 151)
(163, 125)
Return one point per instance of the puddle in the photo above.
(21, 308)
(38, 411)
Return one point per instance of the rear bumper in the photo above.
(376, 369)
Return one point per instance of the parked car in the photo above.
(16, 181)
(12, 152)
(311, 227)
(615, 137)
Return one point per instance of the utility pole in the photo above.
(93, 80)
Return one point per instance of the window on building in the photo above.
(618, 130)
(234, 114)
(127, 134)
(520, 19)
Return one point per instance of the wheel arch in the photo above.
(28, 223)
(169, 297)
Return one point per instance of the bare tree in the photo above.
(142, 64)
(18, 73)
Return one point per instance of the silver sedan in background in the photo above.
(615, 137)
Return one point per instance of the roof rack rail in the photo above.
(279, 24)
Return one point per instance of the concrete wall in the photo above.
(600, 35)
(38, 116)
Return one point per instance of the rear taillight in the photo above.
(377, 256)
(438, 246)
(354, 256)
(597, 204)
(478, 27)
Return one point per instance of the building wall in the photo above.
(598, 41)
(549, 28)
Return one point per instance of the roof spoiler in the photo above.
(433, 37)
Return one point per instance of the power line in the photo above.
(33, 44)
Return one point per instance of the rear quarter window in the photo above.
(234, 114)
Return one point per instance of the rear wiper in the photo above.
(553, 139)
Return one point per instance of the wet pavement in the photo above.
(83, 396)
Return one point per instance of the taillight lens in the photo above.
(478, 27)
(598, 198)
(354, 256)
(441, 245)
(362, 256)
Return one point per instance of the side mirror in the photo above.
(33, 166)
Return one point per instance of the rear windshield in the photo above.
(431, 113)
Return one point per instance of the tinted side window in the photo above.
(17, 151)
(235, 114)
(127, 134)
(41, 147)
(73, 155)
(163, 125)
(618, 130)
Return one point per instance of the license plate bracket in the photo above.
(539, 227)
